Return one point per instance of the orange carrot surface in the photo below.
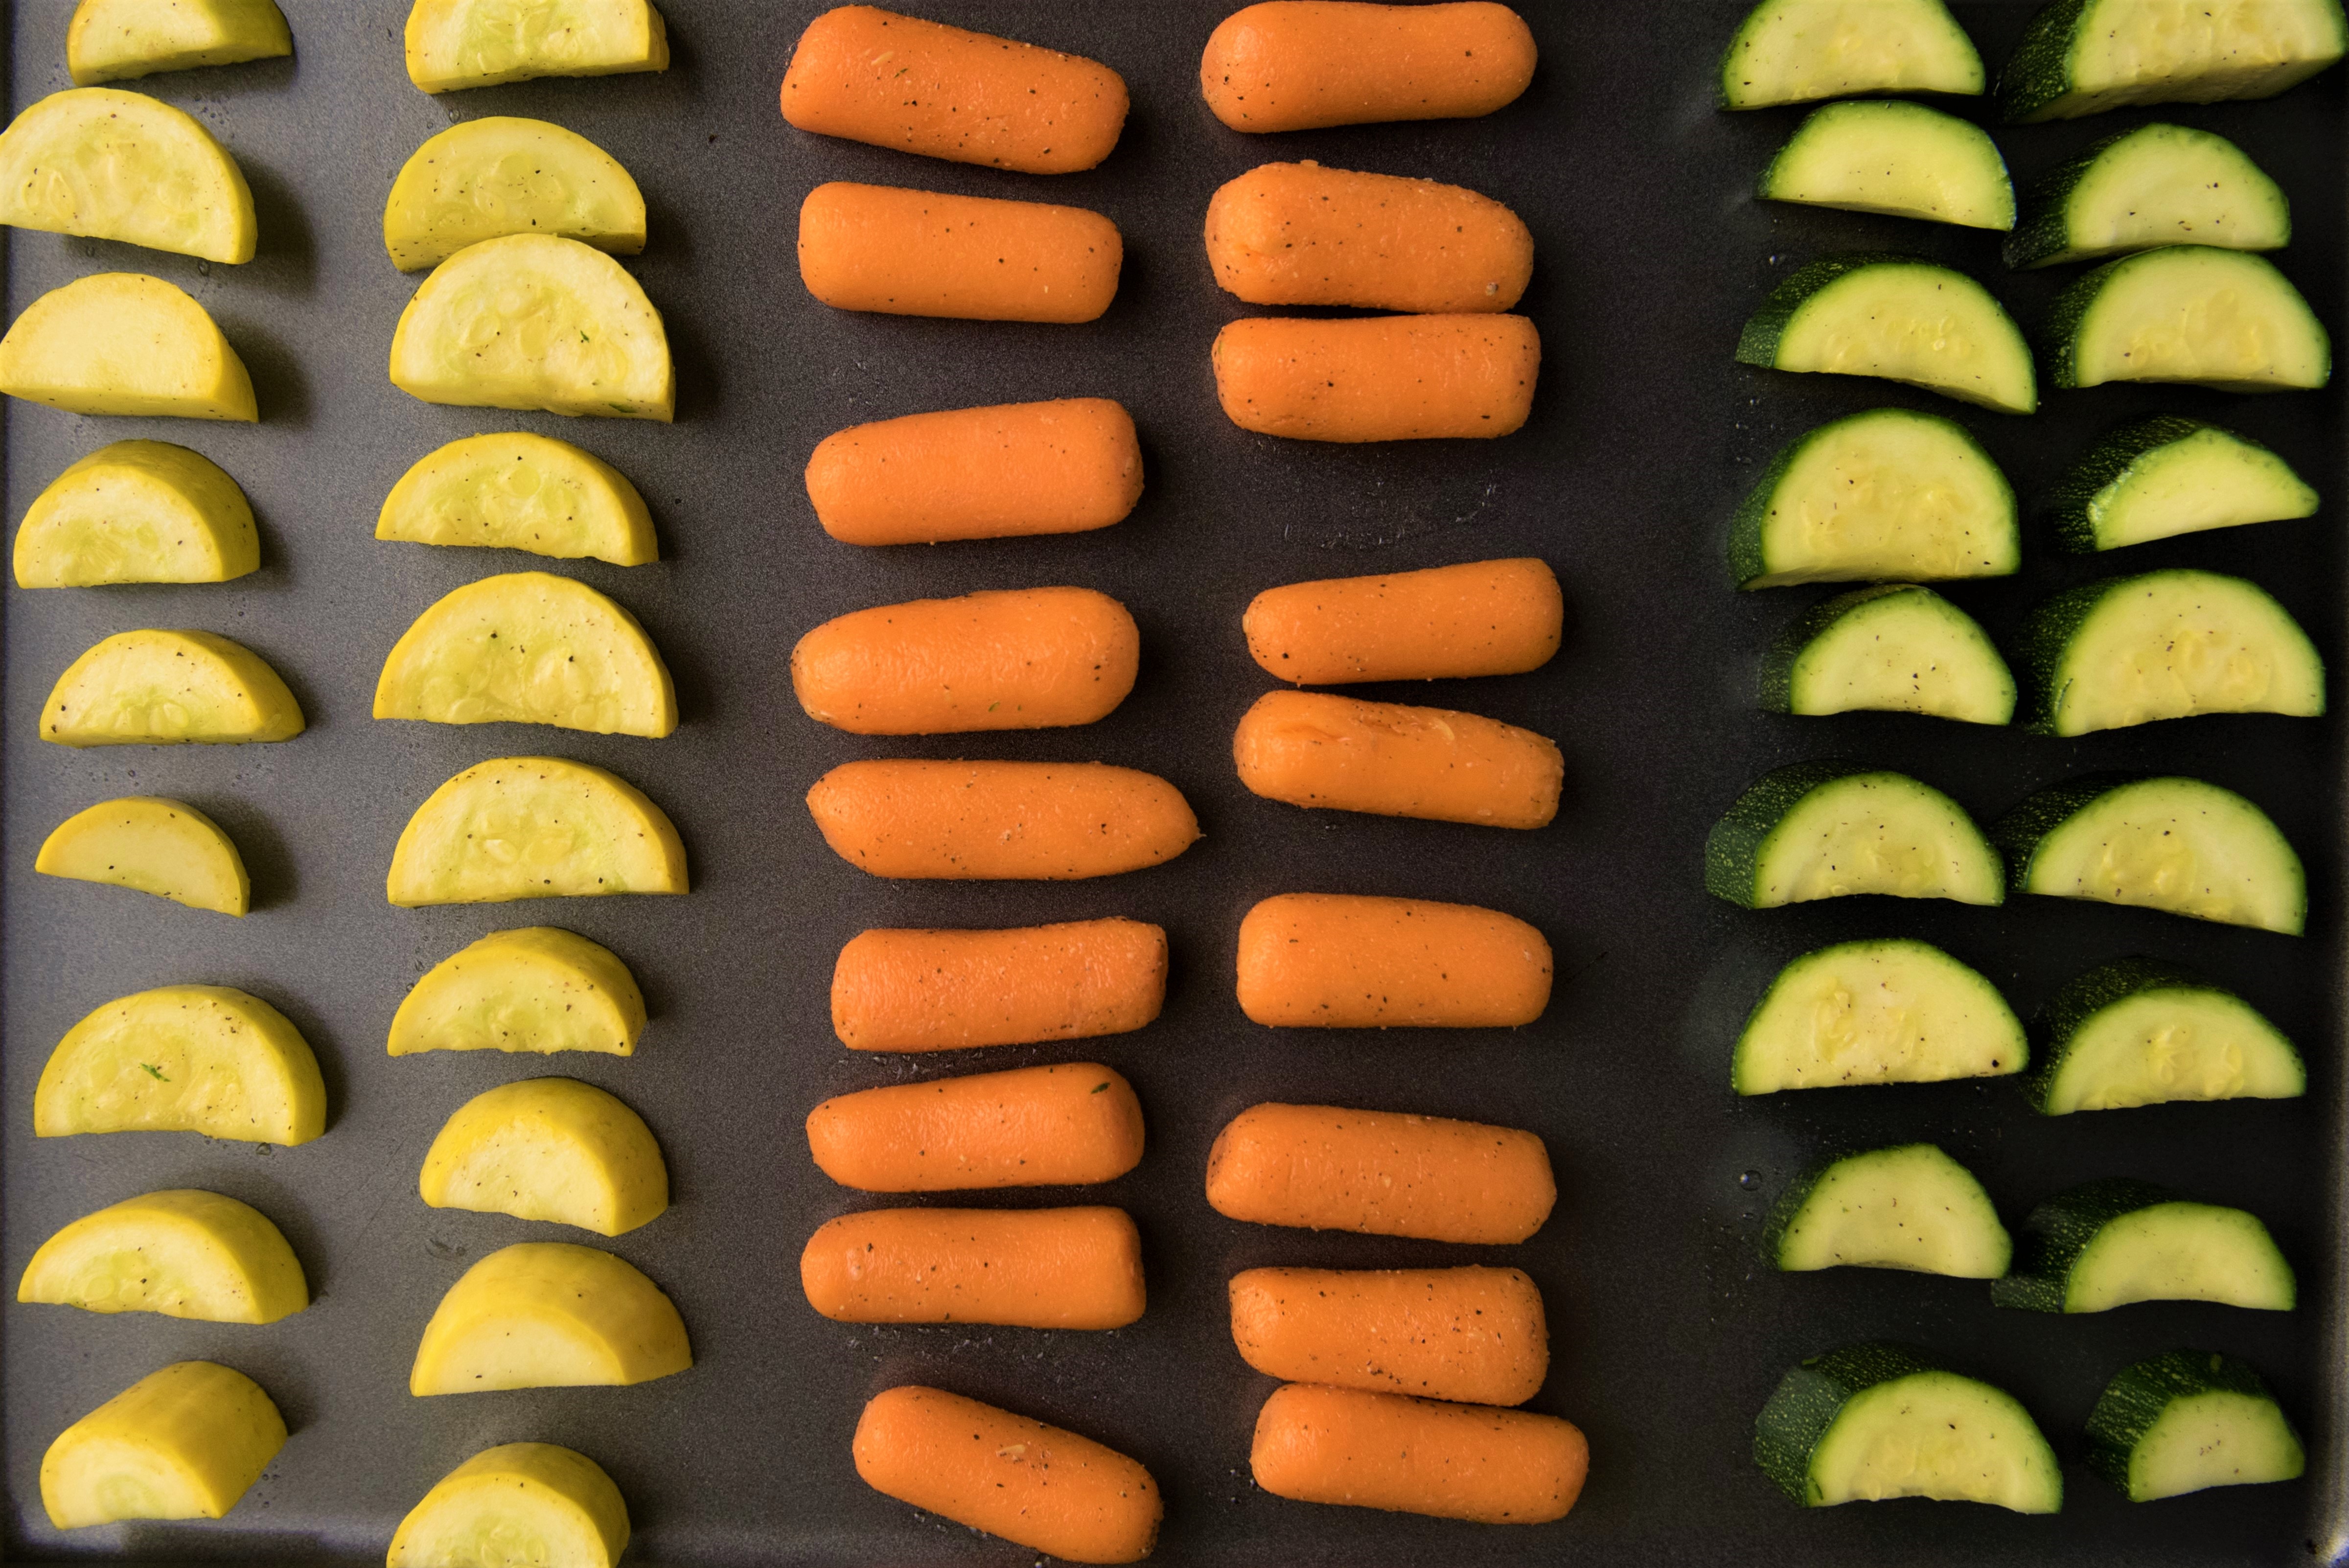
(870, 74)
(1381, 378)
(1333, 961)
(1295, 65)
(1316, 749)
(1049, 822)
(948, 991)
(1383, 1173)
(1058, 467)
(1481, 617)
(1024, 1268)
(1021, 658)
(1298, 234)
(1473, 1335)
(1316, 1444)
(1032, 1126)
(921, 253)
(1035, 1485)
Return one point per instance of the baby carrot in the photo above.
(1383, 1173)
(1035, 1485)
(921, 253)
(1316, 749)
(1024, 1268)
(1298, 234)
(1046, 822)
(1381, 378)
(1472, 1334)
(1296, 65)
(870, 74)
(1024, 659)
(1481, 617)
(1316, 1444)
(1032, 1126)
(1330, 960)
(948, 991)
(1058, 467)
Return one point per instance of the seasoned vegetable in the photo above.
(548, 1149)
(975, 258)
(180, 1252)
(117, 165)
(454, 44)
(1380, 378)
(1319, 749)
(549, 1314)
(2178, 845)
(2187, 313)
(1319, 1444)
(480, 179)
(1793, 51)
(1910, 1206)
(532, 989)
(186, 1442)
(1880, 1012)
(1895, 648)
(1071, 1125)
(1476, 1334)
(1829, 830)
(2189, 1420)
(1902, 160)
(1480, 618)
(144, 842)
(1301, 65)
(1870, 313)
(1026, 1268)
(1061, 467)
(1299, 234)
(1341, 960)
(2084, 57)
(112, 40)
(2156, 186)
(529, 647)
(515, 490)
(533, 828)
(166, 689)
(516, 1503)
(1380, 1173)
(2109, 1243)
(1044, 822)
(2159, 477)
(137, 512)
(183, 1059)
(2140, 1033)
(123, 342)
(949, 991)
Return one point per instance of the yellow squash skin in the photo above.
(534, 827)
(124, 343)
(137, 512)
(514, 490)
(180, 1252)
(532, 989)
(531, 321)
(549, 1149)
(117, 165)
(516, 1503)
(505, 175)
(549, 1314)
(157, 688)
(183, 1059)
(185, 1443)
(529, 647)
(453, 44)
(111, 40)
(151, 844)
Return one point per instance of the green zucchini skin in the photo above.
(2086, 995)
(1734, 845)
(2037, 83)
(2053, 1236)
(2109, 459)
(1758, 343)
(1780, 665)
(2024, 833)
(1808, 1400)
(2039, 71)
(2134, 1403)
(2060, 341)
(2018, 834)
(2043, 237)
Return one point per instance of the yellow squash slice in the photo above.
(183, 1059)
(534, 827)
(515, 490)
(137, 512)
(151, 844)
(516, 1503)
(182, 1443)
(480, 43)
(180, 1252)
(529, 647)
(531, 321)
(549, 1314)
(166, 689)
(532, 989)
(549, 1149)
(117, 165)
(504, 175)
(110, 40)
(124, 343)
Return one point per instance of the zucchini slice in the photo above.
(2159, 477)
(2179, 845)
(2156, 185)
(1887, 1012)
(1871, 314)
(1895, 648)
(1910, 1208)
(2196, 314)
(1885, 494)
(2166, 645)
(2109, 1243)
(1874, 1421)
(1795, 51)
(1902, 160)
(1827, 830)
(2084, 57)
(2188, 1420)
(2137, 1032)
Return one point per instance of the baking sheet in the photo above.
(1668, 1334)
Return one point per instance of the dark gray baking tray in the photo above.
(1667, 1335)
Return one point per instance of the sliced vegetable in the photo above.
(2179, 845)
(1826, 830)
(1883, 1012)
(549, 1314)
(111, 40)
(124, 343)
(2187, 313)
(2188, 1420)
(516, 1503)
(148, 844)
(2163, 476)
(2084, 57)
(1902, 160)
(180, 1252)
(529, 647)
(137, 512)
(2156, 185)
(183, 1059)
(117, 165)
(504, 175)
(548, 1149)
(533, 828)
(1869, 314)
(2109, 1243)
(1793, 51)
(186, 1442)
(1910, 1208)
(1887, 494)
(454, 44)
(2137, 1032)
(160, 688)
(515, 490)
(534, 988)
(1895, 648)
